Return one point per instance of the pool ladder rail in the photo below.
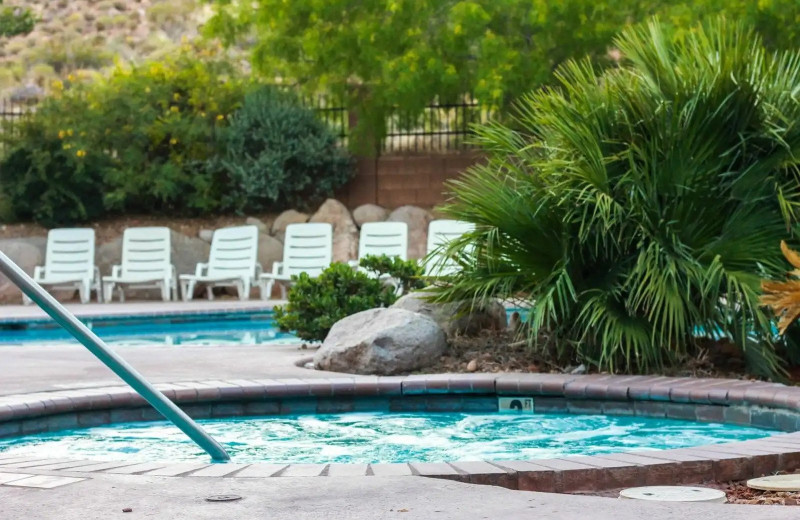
(111, 359)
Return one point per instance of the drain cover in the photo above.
(776, 483)
(223, 498)
(674, 494)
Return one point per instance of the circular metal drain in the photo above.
(674, 494)
(223, 498)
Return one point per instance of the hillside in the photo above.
(74, 35)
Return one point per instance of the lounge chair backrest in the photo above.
(440, 233)
(234, 252)
(146, 253)
(383, 238)
(308, 248)
(70, 254)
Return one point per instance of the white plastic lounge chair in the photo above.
(232, 262)
(440, 232)
(145, 264)
(308, 249)
(383, 238)
(69, 263)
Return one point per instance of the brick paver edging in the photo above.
(740, 402)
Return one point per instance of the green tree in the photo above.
(396, 56)
(15, 20)
(638, 208)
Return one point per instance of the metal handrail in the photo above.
(110, 358)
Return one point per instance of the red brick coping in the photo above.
(712, 400)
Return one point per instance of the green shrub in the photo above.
(315, 304)
(160, 120)
(278, 154)
(15, 20)
(47, 182)
(638, 209)
(406, 273)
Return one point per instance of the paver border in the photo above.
(768, 405)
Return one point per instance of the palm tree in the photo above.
(638, 209)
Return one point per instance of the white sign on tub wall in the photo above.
(515, 404)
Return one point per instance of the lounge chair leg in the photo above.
(188, 290)
(121, 292)
(284, 292)
(164, 291)
(85, 293)
(265, 289)
(108, 292)
(244, 290)
(210, 292)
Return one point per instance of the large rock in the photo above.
(270, 250)
(456, 317)
(381, 341)
(26, 253)
(417, 220)
(187, 252)
(369, 213)
(253, 221)
(345, 232)
(289, 216)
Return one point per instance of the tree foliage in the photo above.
(396, 56)
(637, 209)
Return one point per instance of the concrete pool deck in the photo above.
(38, 377)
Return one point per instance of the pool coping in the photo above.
(13, 314)
(768, 405)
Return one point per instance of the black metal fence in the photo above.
(439, 128)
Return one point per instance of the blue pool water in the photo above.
(236, 328)
(383, 437)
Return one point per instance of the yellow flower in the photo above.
(202, 114)
(173, 109)
(220, 117)
(176, 96)
(147, 89)
(67, 146)
(69, 132)
(81, 153)
(61, 134)
(71, 77)
(58, 85)
(173, 141)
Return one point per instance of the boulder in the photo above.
(26, 253)
(455, 317)
(369, 213)
(253, 221)
(206, 235)
(345, 232)
(108, 254)
(417, 220)
(289, 216)
(270, 250)
(187, 252)
(382, 342)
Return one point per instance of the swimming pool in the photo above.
(383, 437)
(222, 328)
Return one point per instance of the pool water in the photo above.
(383, 437)
(235, 328)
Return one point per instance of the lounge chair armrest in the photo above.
(174, 271)
(201, 269)
(116, 271)
(277, 268)
(38, 272)
(259, 270)
(353, 263)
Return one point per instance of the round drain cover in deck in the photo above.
(776, 483)
(223, 498)
(674, 494)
